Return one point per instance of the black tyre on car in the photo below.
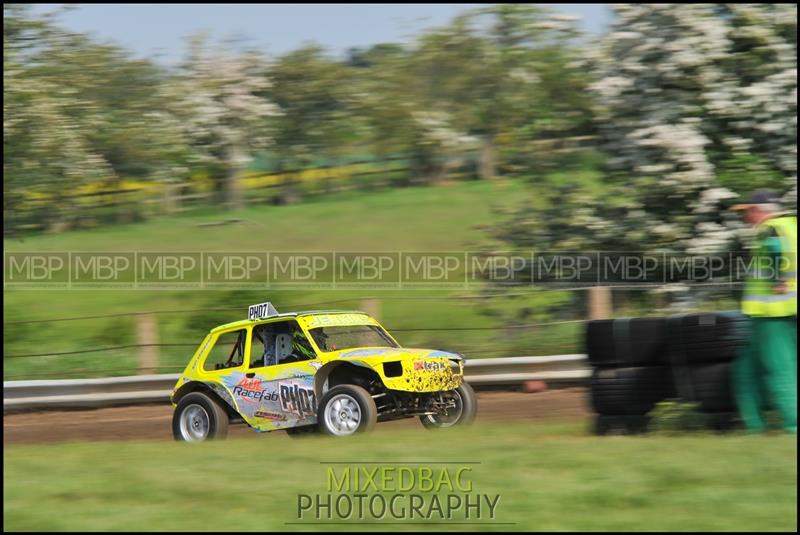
(462, 413)
(345, 410)
(198, 417)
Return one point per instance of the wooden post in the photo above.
(169, 204)
(147, 337)
(372, 307)
(600, 307)
(487, 166)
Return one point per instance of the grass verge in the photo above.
(549, 477)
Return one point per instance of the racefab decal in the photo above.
(253, 395)
(253, 391)
(297, 398)
(268, 404)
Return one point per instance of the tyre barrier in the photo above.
(626, 342)
(638, 362)
(701, 355)
(630, 391)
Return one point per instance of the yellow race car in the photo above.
(338, 372)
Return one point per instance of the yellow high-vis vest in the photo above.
(760, 298)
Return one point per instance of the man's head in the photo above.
(761, 204)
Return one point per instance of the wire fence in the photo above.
(477, 351)
(96, 350)
(156, 312)
(82, 373)
(419, 329)
(243, 306)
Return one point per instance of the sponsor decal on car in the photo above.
(371, 352)
(296, 398)
(251, 390)
(429, 366)
(270, 415)
(331, 320)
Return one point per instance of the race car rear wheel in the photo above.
(345, 410)
(197, 418)
(463, 413)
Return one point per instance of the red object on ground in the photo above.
(530, 387)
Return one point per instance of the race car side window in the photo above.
(279, 342)
(228, 351)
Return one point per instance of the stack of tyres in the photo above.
(701, 353)
(630, 372)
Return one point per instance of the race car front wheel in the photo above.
(461, 410)
(197, 418)
(345, 410)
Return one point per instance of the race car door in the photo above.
(277, 391)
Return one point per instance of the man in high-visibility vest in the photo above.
(765, 373)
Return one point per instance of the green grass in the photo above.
(549, 477)
(409, 219)
(424, 219)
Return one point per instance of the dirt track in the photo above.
(153, 421)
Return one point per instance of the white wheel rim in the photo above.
(195, 423)
(453, 415)
(342, 415)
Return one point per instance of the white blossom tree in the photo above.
(219, 98)
(73, 118)
(686, 93)
(46, 152)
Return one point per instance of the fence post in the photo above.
(600, 307)
(168, 199)
(371, 306)
(147, 337)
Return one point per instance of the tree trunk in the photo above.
(487, 167)
(234, 199)
(233, 193)
(169, 201)
(58, 218)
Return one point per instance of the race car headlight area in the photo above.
(393, 369)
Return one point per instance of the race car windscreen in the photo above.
(350, 336)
